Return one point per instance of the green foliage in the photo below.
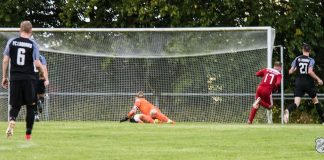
(295, 21)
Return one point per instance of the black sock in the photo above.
(320, 111)
(30, 117)
(292, 107)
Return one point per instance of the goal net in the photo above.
(191, 74)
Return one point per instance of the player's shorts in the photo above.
(40, 87)
(137, 117)
(266, 96)
(303, 86)
(22, 92)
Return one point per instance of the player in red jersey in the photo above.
(271, 79)
(147, 109)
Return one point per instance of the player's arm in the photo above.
(5, 63)
(260, 73)
(132, 112)
(314, 76)
(293, 67)
(292, 70)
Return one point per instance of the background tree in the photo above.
(295, 21)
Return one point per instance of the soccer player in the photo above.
(304, 82)
(23, 55)
(40, 88)
(271, 79)
(148, 109)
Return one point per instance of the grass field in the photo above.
(183, 141)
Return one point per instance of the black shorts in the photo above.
(22, 92)
(40, 87)
(303, 86)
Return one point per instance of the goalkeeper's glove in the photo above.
(124, 119)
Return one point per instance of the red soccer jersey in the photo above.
(271, 78)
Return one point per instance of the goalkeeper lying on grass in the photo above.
(148, 109)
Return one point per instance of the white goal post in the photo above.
(192, 74)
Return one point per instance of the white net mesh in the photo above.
(189, 75)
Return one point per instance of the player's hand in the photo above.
(320, 82)
(124, 119)
(4, 83)
(46, 83)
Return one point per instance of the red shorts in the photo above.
(265, 94)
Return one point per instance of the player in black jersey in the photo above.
(304, 82)
(23, 55)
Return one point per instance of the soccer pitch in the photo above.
(200, 141)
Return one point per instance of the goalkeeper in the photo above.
(147, 109)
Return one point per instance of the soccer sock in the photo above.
(320, 111)
(13, 113)
(30, 117)
(252, 114)
(292, 107)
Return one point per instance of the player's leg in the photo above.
(255, 105)
(298, 93)
(15, 96)
(312, 93)
(254, 109)
(146, 119)
(40, 95)
(157, 114)
(269, 109)
(35, 107)
(29, 120)
(29, 96)
(291, 107)
(13, 113)
(318, 108)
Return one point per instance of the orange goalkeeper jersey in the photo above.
(144, 106)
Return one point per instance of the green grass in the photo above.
(183, 141)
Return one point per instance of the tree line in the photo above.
(295, 22)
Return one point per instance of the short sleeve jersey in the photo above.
(302, 64)
(22, 53)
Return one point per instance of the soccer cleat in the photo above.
(286, 116)
(28, 137)
(249, 122)
(11, 126)
(37, 118)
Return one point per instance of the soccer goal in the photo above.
(191, 74)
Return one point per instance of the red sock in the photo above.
(28, 137)
(252, 114)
